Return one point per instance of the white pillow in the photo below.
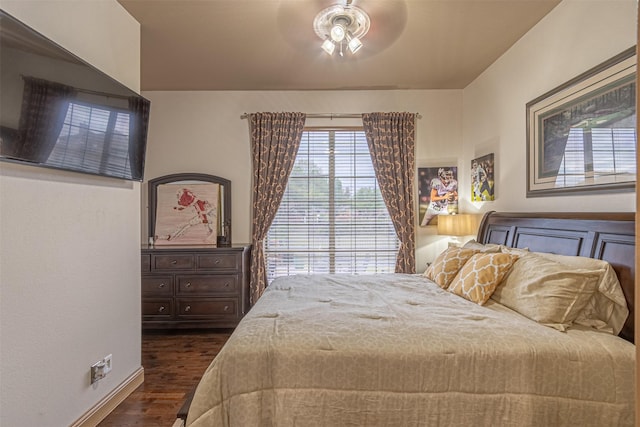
(607, 309)
(493, 247)
(489, 247)
(549, 292)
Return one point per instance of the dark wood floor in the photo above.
(173, 364)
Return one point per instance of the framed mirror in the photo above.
(190, 209)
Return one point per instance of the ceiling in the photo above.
(271, 44)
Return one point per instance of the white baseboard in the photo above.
(104, 407)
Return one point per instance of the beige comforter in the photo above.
(396, 350)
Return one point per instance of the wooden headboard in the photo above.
(605, 236)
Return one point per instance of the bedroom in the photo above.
(51, 328)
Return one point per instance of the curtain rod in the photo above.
(332, 116)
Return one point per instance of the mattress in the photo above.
(397, 350)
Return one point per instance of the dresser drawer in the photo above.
(194, 286)
(173, 262)
(228, 261)
(157, 308)
(157, 285)
(145, 263)
(209, 284)
(203, 308)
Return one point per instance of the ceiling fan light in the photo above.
(338, 33)
(354, 44)
(328, 46)
(341, 28)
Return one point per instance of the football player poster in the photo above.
(437, 193)
(482, 181)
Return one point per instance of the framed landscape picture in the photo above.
(581, 136)
(437, 193)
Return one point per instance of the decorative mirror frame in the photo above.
(225, 188)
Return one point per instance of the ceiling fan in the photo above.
(308, 25)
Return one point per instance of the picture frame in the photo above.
(483, 179)
(437, 193)
(190, 209)
(581, 136)
(187, 214)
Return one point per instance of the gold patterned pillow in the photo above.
(481, 275)
(447, 264)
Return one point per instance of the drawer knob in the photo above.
(188, 285)
(161, 309)
(226, 285)
(226, 308)
(161, 285)
(174, 262)
(187, 308)
(217, 261)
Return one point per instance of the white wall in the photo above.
(486, 117)
(69, 248)
(202, 132)
(209, 124)
(576, 36)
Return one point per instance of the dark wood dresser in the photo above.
(194, 286)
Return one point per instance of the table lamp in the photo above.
(456, 225)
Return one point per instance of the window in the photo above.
(332, 218)
(596, 153)
(93, 138)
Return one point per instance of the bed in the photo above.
(405, 350)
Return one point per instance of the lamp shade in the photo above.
(328, 46)
(458, 225)
(338, 33)
(355, 44)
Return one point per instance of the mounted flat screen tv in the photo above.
(59, 112)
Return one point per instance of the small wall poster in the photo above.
(482, 180)
(437, 193)
(187, 214)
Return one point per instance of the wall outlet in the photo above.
(107, 363)
(101, 368)
(97, 371)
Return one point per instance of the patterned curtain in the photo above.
(138, 120)
(44, 107)
(275, 138)
(391, 139)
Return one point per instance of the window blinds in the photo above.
(332, 218)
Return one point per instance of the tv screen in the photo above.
(57, 111)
